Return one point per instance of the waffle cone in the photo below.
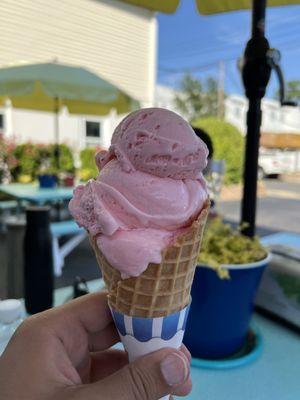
(162, 289)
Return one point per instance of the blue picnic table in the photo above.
(34, 194)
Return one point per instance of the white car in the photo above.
(276, 162)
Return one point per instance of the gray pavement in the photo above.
(81, 262)
(279, 210)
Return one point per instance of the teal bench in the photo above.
(64, 228)
(6, 205)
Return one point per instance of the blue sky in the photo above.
(188, 40)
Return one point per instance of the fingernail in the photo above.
(174, 369)
(185, 351)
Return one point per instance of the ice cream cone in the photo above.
(163, 288)
(130, 213)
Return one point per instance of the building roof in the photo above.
(280, 140)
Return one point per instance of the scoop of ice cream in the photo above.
(131, 251)
(117, 199)
(159, 142)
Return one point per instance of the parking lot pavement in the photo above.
(277, 210)
(81, 262)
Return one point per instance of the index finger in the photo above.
(76, 328)
(91, 311)
(84, 323)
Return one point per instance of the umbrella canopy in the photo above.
(205, 7)
(44, 86)
(48, 87)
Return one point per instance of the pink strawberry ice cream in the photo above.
(149, 189)
(159, 142)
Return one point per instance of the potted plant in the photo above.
(222, 304)
(67, 179)
(64, 165)
(88, 169)
(47, 176)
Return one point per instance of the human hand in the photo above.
(64, 354)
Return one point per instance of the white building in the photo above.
(164, 97)
(115, 40)
(276, 119)
(281, 122)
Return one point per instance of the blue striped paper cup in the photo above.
(141, 336)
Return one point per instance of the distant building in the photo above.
(280, 133)
(115, 40)
(280, 140)
(276, 119)
(165, 98)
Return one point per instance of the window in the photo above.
(92, 129)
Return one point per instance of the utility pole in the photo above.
(221, 80)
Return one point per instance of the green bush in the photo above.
(35, 158)
(228, 145)
(88, 169)
(66, 161)
(28, 158)
(8, 160)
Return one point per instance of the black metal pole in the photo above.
(251, 167)
(256, 74)
(258, 18)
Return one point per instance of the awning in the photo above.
(280, 140)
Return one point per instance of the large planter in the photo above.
(221, 309)
(47, 181)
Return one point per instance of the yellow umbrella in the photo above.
(48, 87)
(205, 7)
(258, 62)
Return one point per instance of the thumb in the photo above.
(149, 378)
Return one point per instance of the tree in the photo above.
(293, 90)
(228, 144)
(196, 99)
